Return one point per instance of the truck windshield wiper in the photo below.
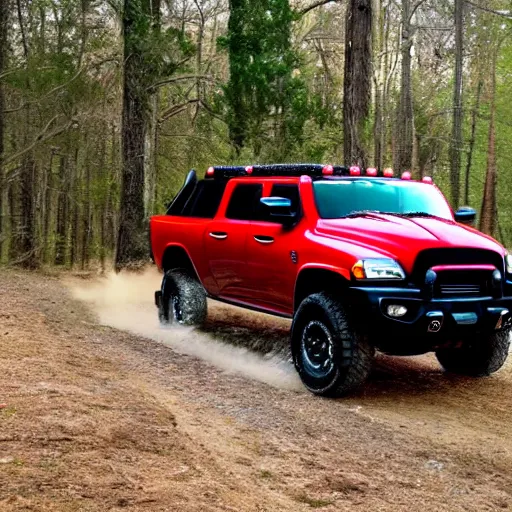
(375, 213)
(417, 214)
(362, 213)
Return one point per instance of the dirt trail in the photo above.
(142, 418)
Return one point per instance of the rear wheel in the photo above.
(183, 299)
(477, 357)
(331, 358)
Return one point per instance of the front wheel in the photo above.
(183, 300)
(478, 357)
(330, 357)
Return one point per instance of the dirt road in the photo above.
(98, 419)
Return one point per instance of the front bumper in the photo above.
(429, 323)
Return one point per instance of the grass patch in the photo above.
(314, 502)
(8, 412)
(265, 473)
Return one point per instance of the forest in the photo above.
(105, 105)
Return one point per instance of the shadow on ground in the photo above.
(392, 377)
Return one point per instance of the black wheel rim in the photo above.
(317, 350)
(175, 309)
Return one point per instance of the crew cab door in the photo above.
(226, 240)
(271, 256)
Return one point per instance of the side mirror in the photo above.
(279, 209)
(466, 215)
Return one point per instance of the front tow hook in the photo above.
(435, 321)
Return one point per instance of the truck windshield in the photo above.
(359, 196)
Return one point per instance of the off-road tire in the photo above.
(478, 357)
(350, 353)
(183, 300)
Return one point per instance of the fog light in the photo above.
(397, 311)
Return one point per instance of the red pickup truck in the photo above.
(361, 261)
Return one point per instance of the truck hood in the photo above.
(403, 238)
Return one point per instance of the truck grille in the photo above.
(458, 283)
(455, 283)
(460, 290)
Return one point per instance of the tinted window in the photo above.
(205, 200)
(245, 202)
(336, 199)
(289, 192)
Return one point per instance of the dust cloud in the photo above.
(125, 301)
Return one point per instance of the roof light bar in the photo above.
(224, 172)
(406, 176)
(427, 179)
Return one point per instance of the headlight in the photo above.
(508, 263)
(378, 268)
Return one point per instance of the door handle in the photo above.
(219, 235)
(263, 239)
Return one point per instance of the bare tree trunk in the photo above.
(112, 222)
(75, 207)
(405, 118)
(456, 145)
(151, 131)
(357, 81)
(105, 180)
(4, 11)
(378, 43)
(28, 242)
(199, 56)
(488, 212)
(150, 158)
(87, 218)
(47, 207)
(416, 144)
(61, 242)
(14, 235)
(132, 242)
(474, 118)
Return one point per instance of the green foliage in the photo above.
(263, 99)
(274, 92)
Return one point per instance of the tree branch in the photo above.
(415, 8)
(43, 136)
(15, 109)
(8, 72)
(211, 112)
(315, 5)
(487, 9)
(176, 109)
(182, 78)
(22, 30)
(442, 29)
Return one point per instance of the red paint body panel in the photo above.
(263, 275)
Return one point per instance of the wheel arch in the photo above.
(319, 278)
(177, 257)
